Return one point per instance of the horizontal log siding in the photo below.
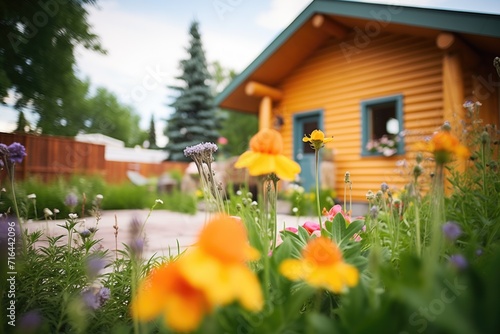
(389, 65)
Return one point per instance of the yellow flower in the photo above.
(321, 266)
(264, 156)
(444, 145)
(166, 292)
(317, 139)
(217, 264)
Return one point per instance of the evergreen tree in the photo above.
(194, 119)
(152, 133)
(22, 124)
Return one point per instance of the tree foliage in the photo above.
(22, 123)
(236, 127)
(194, 119)
(37, 56)
(108, 116)
(152, 133)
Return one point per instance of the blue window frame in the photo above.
(381, 126)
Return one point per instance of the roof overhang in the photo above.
(301, 38)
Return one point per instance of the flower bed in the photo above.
(415, 262)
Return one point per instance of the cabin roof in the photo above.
(300, 39)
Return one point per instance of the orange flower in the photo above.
(217, 264)
(317, 139)
(321, 266)
(265, 156)
(166, 292)
(444, 145)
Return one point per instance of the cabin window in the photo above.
(382, 126)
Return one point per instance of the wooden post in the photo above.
(457, 55)
(453, 90)
(265, 108)
(268, 94)
(453, 82)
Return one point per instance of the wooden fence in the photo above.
(52, 156)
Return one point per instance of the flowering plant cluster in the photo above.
(387, 146)
(415, 262)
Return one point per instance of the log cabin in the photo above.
(363, 72)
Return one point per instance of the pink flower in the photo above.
(333, 212)
(316, 233)
(356, 236)
(279, 241)
(222, 141)
(311, 227)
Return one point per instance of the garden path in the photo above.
(163, 229)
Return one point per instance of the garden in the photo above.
(423, 259)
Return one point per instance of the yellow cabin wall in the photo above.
(388, 65)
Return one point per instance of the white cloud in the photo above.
(142, 59)
(281, 13)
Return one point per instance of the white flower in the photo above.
(73, 216)
(238, 193)
(31, 196)
(4, 190)
(295, 210)
(56, 211)
(99, 196)
(159, 201)
(47, 212)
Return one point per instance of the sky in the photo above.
(145, 41)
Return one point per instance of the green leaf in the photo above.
(303, 234)
(338, 228)
(353, 228)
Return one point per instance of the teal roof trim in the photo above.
(456, 21)
(446, 20)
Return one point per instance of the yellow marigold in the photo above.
(444, 145)
(217, 264)
(317, 139)
(166, 292)
(265, 156)
(321, 266)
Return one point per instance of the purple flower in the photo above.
(137, 246)
(104, 294)
(458, 261)
(85, 234)
(17, 152)
(4, 153)
(452, 231)
(95, 297)
(200, 149)
(30, 322)
(90, 299)
(71, 200)
(94, 266)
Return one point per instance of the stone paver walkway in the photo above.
(163, 229)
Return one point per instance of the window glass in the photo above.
(381, 126)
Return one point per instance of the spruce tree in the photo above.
(22, 124)
(152, 133)
(194, 119)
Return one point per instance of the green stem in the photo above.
(14, 192)
(417, 229)
(133, 288)
(316, 156)
(274, 200)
